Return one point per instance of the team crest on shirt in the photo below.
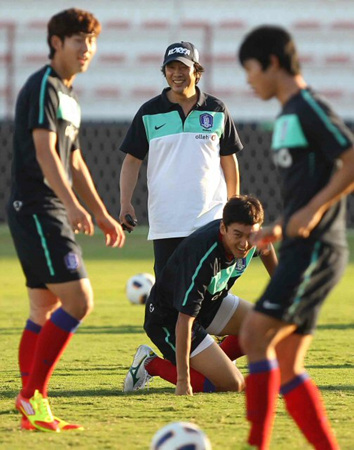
(241, 264)
(72, 261)
(206, 120)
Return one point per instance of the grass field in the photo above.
(87, 384)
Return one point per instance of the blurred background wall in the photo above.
(126, 72)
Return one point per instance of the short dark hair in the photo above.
(267, 40)
(244, 209)
(198, 70)
(69, 22)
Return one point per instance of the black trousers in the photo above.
(163, 249)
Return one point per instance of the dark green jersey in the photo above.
(197, 277)
(43, 102)
(308, 139)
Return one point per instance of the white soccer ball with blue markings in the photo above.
(138, 288)
(180, 436)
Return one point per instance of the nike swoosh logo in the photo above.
(157, 128)
(268, 305)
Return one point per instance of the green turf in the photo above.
(86, 386)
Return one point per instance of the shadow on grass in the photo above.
(332, 387)
(336, 326)
(97, 393)
(132, 329)
(11, 394)
(123, 329)
(330, 366)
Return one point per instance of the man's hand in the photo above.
(302, 222)
(183, 387)
(128, 219)
(80, 220)
(112, 230)
(265, 236)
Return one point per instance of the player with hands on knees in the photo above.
(44, 213)
(192, 301)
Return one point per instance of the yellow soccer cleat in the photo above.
(37, 410)
(64, 426)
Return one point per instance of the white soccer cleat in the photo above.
(137, 375)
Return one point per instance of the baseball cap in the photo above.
(181, 51)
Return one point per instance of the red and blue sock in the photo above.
(231, 347)
(27, 348)
(262, 388)
(55, 335)
(304, 404)
(168, 371)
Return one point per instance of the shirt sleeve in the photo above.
(135, 142)
(326, 131)
(76, 145)
(230, 141)
(43, 106)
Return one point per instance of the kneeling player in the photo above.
(191, 300)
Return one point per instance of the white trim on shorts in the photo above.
(206, 342)
(225, 312)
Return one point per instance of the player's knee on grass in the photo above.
(235, 383)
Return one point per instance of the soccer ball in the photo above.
(138, 287)
(179, 436)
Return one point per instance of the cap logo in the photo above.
(206, 120)
(183, 51)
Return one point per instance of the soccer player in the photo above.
(191, 143)
(44, 211)
(191, 300)
(314, 153)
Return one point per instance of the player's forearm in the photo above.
(229, 165)
(183, 346)
(52, 168)
(341, 184)
(128, 179)
(269, 259)
(56, 177)
(84, 185)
